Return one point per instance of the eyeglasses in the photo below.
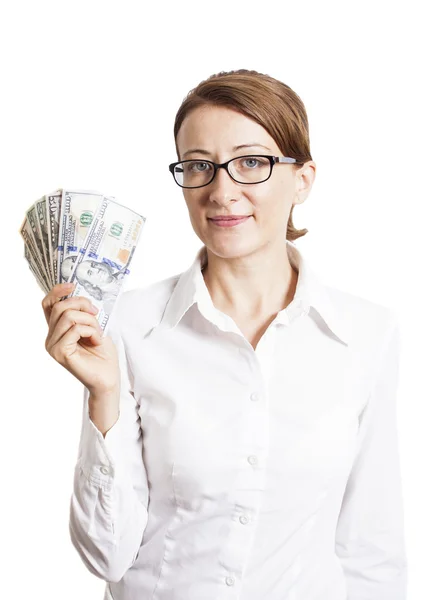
(246, 169)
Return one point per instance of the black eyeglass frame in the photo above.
(272, 159)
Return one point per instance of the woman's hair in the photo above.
(268, 101)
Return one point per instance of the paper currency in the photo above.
(42, 223)
(34, 269)
(36, 233)
(27, 234)
(78, 210)
(103, 261)
(53, 206)
(83, 237)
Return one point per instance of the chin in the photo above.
(230, 248)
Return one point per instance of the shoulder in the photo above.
(370, 323)
(140, 309)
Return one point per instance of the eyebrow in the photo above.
(202, 151)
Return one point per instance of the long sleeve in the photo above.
(108, 508)
(370, 541)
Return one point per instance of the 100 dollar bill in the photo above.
(77, 212)
(103, 261)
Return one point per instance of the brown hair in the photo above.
(268, 101)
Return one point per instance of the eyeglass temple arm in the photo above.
(285, 159)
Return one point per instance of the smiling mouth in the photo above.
(232, 222)
(232, 218)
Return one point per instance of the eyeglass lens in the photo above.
(246, 169)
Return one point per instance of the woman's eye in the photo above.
(251, 162)
(199, 166)
(89, 272)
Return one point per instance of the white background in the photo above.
(89, 95)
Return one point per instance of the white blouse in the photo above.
(231, 473)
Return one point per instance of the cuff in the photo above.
(100, 457)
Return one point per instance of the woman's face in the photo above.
(217, 130)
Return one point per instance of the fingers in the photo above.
(56, 293)
(74, 303)
(63, 350)
(68, 319)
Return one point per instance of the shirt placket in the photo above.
(248, 492)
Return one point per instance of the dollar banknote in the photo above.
(34, 269)
(41, 212)
(83, 237)
(53, 206)
(26, 231)
(78, 209)
(103, 262)
(36, 234)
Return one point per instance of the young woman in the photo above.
(239, 435)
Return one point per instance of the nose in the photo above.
(223, 188)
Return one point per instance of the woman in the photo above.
(239, 429)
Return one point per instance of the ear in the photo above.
(304, 181)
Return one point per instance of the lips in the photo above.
(229, 221)
(231, 218)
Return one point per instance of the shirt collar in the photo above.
(310, 292)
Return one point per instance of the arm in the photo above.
(108, 509)
(370, 530)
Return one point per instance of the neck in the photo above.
(253, 286)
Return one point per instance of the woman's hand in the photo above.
(75, 341)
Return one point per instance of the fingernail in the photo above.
(94, 308)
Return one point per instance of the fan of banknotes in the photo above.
(82, 237)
